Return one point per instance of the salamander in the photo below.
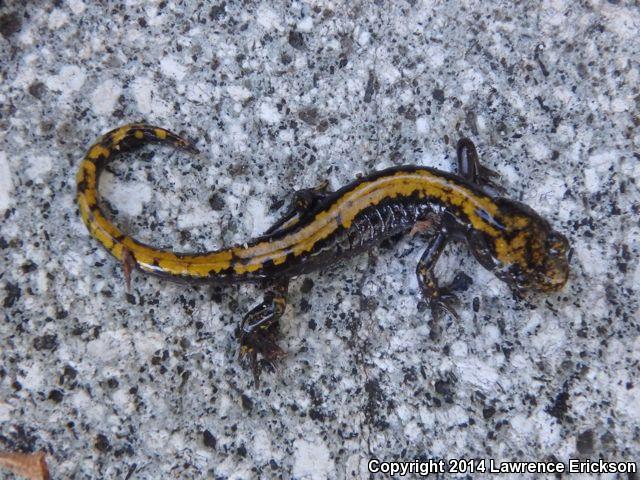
(321, 226)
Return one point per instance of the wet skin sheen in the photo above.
(321, 227)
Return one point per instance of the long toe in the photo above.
(445, 305)
(446, 295)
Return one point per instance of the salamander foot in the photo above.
(259, 331)
(261, 343)
(469, 167)
(443, 300)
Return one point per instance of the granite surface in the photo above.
(279, 97)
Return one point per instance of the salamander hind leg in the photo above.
(302, 201)
(259, 329)
(439, 298)
(470, 168)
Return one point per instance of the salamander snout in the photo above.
(554, 269)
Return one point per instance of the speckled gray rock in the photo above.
(147, 384)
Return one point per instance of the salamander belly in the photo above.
(369, 228)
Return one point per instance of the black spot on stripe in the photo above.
(243, 261)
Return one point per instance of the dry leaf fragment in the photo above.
(29, 465)
(421, 226)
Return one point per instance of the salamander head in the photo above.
(527, 253)
(552, 271)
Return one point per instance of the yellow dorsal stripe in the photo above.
(341, 214)
(424, 183)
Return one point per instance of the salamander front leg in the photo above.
(302, 201)
(259, 329)
(469, 167)
(438, 298)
